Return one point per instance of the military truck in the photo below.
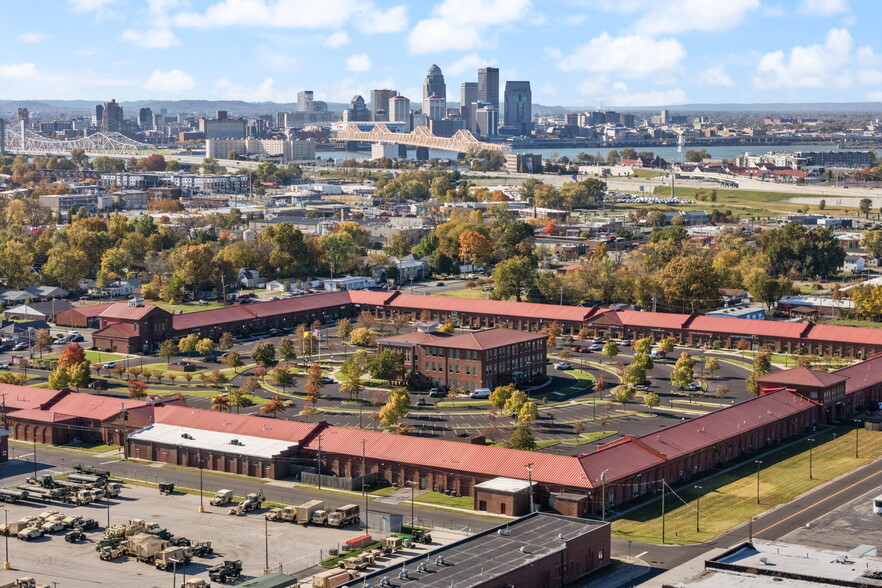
(201, 549)
(133, 527)
(83, 497)
(334, 578)
(89, 470)
(30, 532)
(196, 583)
(225, 571)
(222, 497)
(307, 509)
(14, 527)
(145, 546)
(345, 515)
(46, 494)
(13, 494)
(171, 556)
(112, 550)
(74, 536)
(253, 501)
(25, 582)
(392, 544)
(287, 514)
(353, 563)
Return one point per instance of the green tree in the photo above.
(396, 407)
(529, 412)
(864, 206)
(287, 351)
(226, 341)
(515, 402)
(344, 328)
(711, 365)
(651, 400)
(635, 374)
(362, 336)
(339, 251)
(281, 377)
(168, 349)
(513, 277)
(233, 360)
(501, 394)
(623, 394)
(264, 353)
(872, 242)
(683, 373)
(611, 349)
(387, 365)
(352, 370)
(762, 365)
(188, 344)
(42, 341)
(209, 165)
(522, 438)
(206, 346)
(59, 378)
(79, 375)
(643, 345)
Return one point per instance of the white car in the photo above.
(563, 365)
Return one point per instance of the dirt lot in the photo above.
(51, 559)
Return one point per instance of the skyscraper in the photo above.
(468, 95)
(399, 111)
(145, 119)
(304, 101)
(486, 119)
(380, 104)
(434, 86)
(519, 107)
(437, 108)
(24, 115)
(357, 111)
(99, 115)
(112, 121)
(488, 86)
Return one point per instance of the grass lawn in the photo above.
(474, 293)
(444, 500)
(185, 308)
(729, 499)
(459, 403)
(855, 323)
(383, 491)
(750, 197)
(92, 448)
(589, 437)
(104, 356)
(647, 173)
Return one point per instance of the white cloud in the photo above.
(548, 90)
(464, 24)
(338, 39)
(629, 56)
(715, 76)
(286, 14)
(680, 16)
(393, 20)
(822, 7)
(617, 94)
(869, 77)
(37, 37)
(263, 92)
(17, 71)
(150, 38)
(99, 6)
(815, 66)
(359, 62)
(467, 65)
(170, 82)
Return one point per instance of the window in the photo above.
(600, 555)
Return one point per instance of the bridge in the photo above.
(22, 141)
(461, 142)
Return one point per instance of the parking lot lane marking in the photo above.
(639, 555)
(25, 455)
(107, 462)
(811, 506)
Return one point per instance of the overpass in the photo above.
(21, 141)
(461, 142)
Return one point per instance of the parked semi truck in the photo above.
(306, 510)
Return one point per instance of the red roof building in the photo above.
(132, 328)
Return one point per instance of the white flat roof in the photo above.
(212, 440)
(504, 485)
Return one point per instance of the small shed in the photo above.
(507, 496)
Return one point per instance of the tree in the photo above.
(233, 360)
(313, 384)
(651, 400)
(362, 337)
(352, 371)
(720, 392)
(399, 321)
(188, 344)
(387, 365)
(72, 355)
(474, 248)
(339, 250)
(206, 346)
(643, 345)
(79, 375)
(611, 349)
(766, 289)
(501, 394)
(666, 346)
(220, 402)
(168, 349)
(522, 437)
(396, 407)
(137, 389)
(264, 353)
(553, 331)
(872, 242)
(683, 373)
(281, 377)
(151, 163)
(42, 341)
(711, 364)
(239, 398)
(16, 260)
(634, 374)
(689, 280)
(515, 402)
(448, 327)
(529, 412)
(864, 206)
(367, 319)
(209, 165)
(287, 351)
(226, 341)
(513, 277)
(344, 328)
(275, 405)
(762, 365)
(624, 393)
(59, 378)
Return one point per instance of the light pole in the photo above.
(319, 464)
(529, 467)
(35, 453)
(412, 485)
(266, 543)
(603, 495)
(697, 507)
(363, 487)
(811, 455)
(663, 508)
(201, 502)
(857, 430)
(6, 564)
(758, 464)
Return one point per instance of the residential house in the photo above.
(349, 283)
(250, 278)
(46, 311)
(854, 264)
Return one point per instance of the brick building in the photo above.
(132, 327)
(826, 389)
(472, 360)
(82, 316)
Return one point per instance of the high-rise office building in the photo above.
(486, 119)
(434, 86)
(98, 121)
(112, 120)
(488, 86)
(357, 111)
(304, 101)
(437, 109)
(519, 107)
(380, 104)
(24, 116)
(145, 119)
(399, 111)
(468, 95)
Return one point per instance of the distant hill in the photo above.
(242, 108)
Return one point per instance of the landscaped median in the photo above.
(730, 499)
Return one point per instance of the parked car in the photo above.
(693, 387)
(203, 302)
(440, 284)
(597, 340)
(472, 277)
(4, 366)
(437, 393)
(596, 347)
(110, 365)
(563, 365)
(626, 343)
(480, 393)
(274, 298)
(21, 346)
(288, 295)
(327, 380)
(59, 342)
(421, 401)
(275, 332)
(656, 355)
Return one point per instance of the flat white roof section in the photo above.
(212, 440)
(500, 484)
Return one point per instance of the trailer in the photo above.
(145, 546)
(307, 509)
(171, 556)
(13, 494)
(334, 578)
(89, 470)
(87, 479)
(43, 493)
(343, 516)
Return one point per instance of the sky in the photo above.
(608, 53)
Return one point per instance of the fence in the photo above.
(298, 564)
(350, 484)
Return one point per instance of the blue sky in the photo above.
(615, 53)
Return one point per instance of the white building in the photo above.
(287, 149)
(399, 110)
(349, 283)
(387, 150)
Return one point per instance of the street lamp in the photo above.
(363, 487)
(319, 464)
(201, 503)
(529, 467)
(412, 485)
(811, 455)
(758, 463)
(34, 432)
(266, 543)
(603, 494)
(697, 506)
(6, 564)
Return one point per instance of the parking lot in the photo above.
(50, 559)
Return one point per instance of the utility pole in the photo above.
(811, 455)
(603, 495)
(857, 430)
(319, 464)
(529, 467)
(363, 488)
(758, 464)
(663, 509)
(697, 507)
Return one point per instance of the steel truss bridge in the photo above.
(461, 142)
(112, 144)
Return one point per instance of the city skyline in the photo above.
(574, 52)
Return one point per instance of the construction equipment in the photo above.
(13, 494)
(334, 578)
(307, 509)
(226, 571)
(288, 514)
(252, 502)
(421, 536)
(170, 556)
(166, 487)
(345, 515)
(45, 481)
(222, 497)
(74, 536)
